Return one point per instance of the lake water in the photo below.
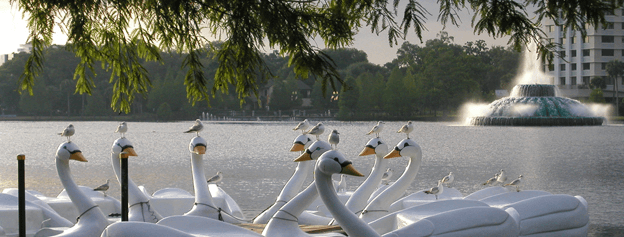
(255, 161)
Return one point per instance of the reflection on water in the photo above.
(254, 158)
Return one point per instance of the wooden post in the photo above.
(21, 188)
(124, 186)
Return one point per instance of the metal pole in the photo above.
(21, 195)
(124, 186)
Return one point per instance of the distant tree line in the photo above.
(423, 80)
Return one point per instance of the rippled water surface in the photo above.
(254, 157)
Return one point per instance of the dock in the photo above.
(310, 229)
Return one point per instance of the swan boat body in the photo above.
(294, 184)
(91, 221)
(495, 221)
(204, 205)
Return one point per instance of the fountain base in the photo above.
(536, 121)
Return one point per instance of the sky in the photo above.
(379, 51)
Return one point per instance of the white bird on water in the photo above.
(387, 175)
(407, 128)
(122, 129)
(502, 177)
(68, 132)
(376, 129)
(103, 187)
(448, 179)
(436, 190)
(216, 178)
(317, 130)
(334, 139)
(303, 126)
(515, 183)
(197, 127)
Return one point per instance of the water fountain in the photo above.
(532, 102)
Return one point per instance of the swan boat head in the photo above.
(314, 151)
(301, 143)
(123, 147)
(333, 162)
(374, 146)
(69, 151)
(198, 145)
(406, 147)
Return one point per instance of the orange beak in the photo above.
(78, 156)
(128, 152)
(350, 170)
(367, 151)
(297, 147)
(393, 154)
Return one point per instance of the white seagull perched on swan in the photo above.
(122, 129)
(515, 183)
(436, 190)
(68, 132)
(407, 128)
(103, 187)
(448, 179)
(196, 128)
(376, 129)
(317, 130)
(303, 126)
(216, 178)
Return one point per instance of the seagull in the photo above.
(303, 125)
(387, 175)
(122, 128)
(317, 130)
(448, 179)
(377, 129)
(407, 129)
(342, 185)
(216, 178)
(491, 181)
(502, 177)
(334, 139)
(197, 127)
(436, 190)
(103, 188)
(68, 132)
(515, 183)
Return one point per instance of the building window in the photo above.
(551, 67)
(608, 52)
(609, 13)
(603, 66)
(562, 40)
(562, 66)
(573, 81)
(608, 26)
(586, 39)
(585, 52)
(550, 28)
(562, 53)
(562, 81)
(573, 53)
(585, 66)
(585, 80)
(551, 40)
(608, 39)
(573, 66)
(572, 40)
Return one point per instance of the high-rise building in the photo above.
(586, 57)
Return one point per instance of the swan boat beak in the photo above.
(393, 154)
(128, 151)
(367, 151)
(304, 157)
(200, 149)
(78, 156)
(350, 170)
(297, 147)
